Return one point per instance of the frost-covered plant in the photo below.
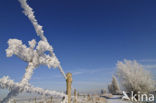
(34, 55)
(114, 86)
(133, 77)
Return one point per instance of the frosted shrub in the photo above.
(114, 86)
(133, 77)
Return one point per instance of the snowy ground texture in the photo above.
(116, 99)
(81, 99)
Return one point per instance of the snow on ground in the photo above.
(116, 99)
(81, 99)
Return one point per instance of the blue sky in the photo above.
(88, 37)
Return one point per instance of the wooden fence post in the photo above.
(69, 83)
(51, 99)
(89, 97)
(35, 100)
(14, 101)
(75, 96)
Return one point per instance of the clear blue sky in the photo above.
(88, 36)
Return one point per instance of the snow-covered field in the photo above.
(116, 99)
(81, 99)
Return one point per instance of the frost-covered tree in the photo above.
(114, 86)
(133, 77)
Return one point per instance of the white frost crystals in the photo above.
(30, 54)
(133, 77)
(28, 11)
(9, 84)
(34, 54)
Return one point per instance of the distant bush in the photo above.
(114, 86)
(133, 77)
(103, 91)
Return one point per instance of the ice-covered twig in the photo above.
(28, 11)
(15, 88)
(33, 55)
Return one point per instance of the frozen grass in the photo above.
(81, 99)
